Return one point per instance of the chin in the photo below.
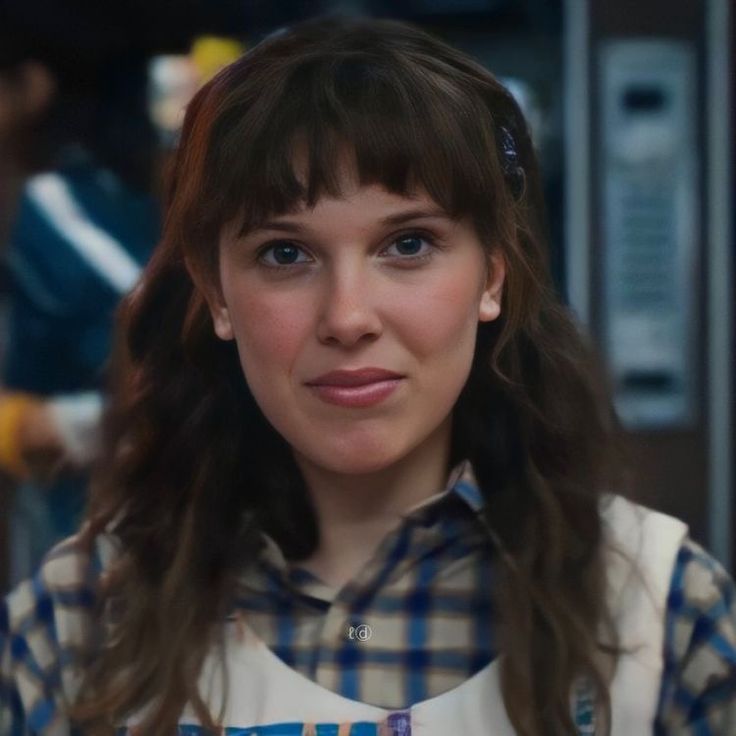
(361, 465)
(358, 460)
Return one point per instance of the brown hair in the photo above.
(192, 469)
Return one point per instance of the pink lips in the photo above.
(356, 388)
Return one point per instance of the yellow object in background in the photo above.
(209, 54)
(13, 407)
(176, 78)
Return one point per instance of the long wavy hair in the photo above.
(192, 471)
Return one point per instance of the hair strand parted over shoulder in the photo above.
(192, 469)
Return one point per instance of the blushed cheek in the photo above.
(442, 320)
(270, 332)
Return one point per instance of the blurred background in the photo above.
(631, 106)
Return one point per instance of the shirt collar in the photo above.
(461, 484)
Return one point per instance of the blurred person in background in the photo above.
(79, 219)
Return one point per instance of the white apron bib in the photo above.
(268, 698)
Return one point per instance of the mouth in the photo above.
(356, 388)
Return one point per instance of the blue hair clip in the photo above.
(513, 172)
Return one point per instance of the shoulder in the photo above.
(699, 679)
(623, 516)
(46, 628)
(64, 580)
(689, 631)
(700, 580)
(696, 580)
(640, 541)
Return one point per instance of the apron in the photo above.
(268, 698)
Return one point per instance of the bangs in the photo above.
(284, 137)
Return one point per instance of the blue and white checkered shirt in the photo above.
(421, 608)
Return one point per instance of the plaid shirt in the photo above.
(414, 622)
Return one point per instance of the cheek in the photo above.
(269, 329)
(441, 319)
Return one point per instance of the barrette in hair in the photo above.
(508, 146)
(510, 161)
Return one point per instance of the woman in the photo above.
(358, 458)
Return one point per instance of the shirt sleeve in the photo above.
(12, 719)
(29, 656)
(698, 696)
(44, 622)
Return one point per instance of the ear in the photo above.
(212, 295)
(221, 318)
(490, 300)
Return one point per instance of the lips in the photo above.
(352, 378)
(356, 389)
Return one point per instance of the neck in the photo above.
(355, 512)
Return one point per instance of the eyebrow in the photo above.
(396, 219)
(417, 214)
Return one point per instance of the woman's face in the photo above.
(370, 280)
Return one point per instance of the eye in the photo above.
(282, 253)
(411, 245)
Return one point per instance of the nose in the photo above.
(348, 310)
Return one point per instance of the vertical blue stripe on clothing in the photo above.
(685, 700)
(482, 619)
(45, 615)
(285, 637)
(283, 619)
(349, 658)
(397, 555)
(18, 648)
(17, 717)
(418, 605)
(42, 715)
(674, 602)
(285, 632)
